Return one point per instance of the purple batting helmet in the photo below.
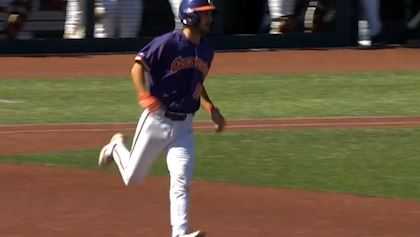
(188, 10)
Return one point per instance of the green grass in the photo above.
(377, 162)
(81, 100)
(113, 99)
(74, 159)
(374, 162)
(321, 95)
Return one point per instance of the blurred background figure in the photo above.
(318, 15)
(285, 16)
(413, 22)
(119, 18)
(282, 14)
(74, 26)
(175, 10)
(370, 25)
(113, 18)
(16, 12)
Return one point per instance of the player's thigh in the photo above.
(151, 138)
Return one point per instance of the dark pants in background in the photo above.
(242, 16)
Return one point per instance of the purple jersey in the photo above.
(177, 68)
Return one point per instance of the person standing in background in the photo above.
(121, 18)
(413, 23)
(17, 12)
(113, 18)
(74, 25)
(371, 11)
(282, 14)
(175, 7)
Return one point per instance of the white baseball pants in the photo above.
(156, 134)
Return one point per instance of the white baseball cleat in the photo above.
(197, 233)
(105, 156)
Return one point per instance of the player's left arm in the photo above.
(215, 114)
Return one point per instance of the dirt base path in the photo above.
(60, 137)
(51, 201)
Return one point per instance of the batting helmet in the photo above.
(188, 10)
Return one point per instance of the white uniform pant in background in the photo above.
(121, 18)
(282, 16)
(116, 18)
(280, 8)
(74, 26)
(175, 10)
(156, 134)
(371, 10)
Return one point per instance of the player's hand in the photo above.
(217, 119)
(149, 102)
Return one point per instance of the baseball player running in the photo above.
(168, 76)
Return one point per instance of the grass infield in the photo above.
(369, 162)
(113, 99)
(377, 162)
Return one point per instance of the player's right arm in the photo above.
(145, 99)
(138, 78)
(147, 61)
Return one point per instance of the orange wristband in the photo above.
(149, 102)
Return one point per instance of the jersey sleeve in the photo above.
(150, 55)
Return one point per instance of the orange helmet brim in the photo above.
(205, 8)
